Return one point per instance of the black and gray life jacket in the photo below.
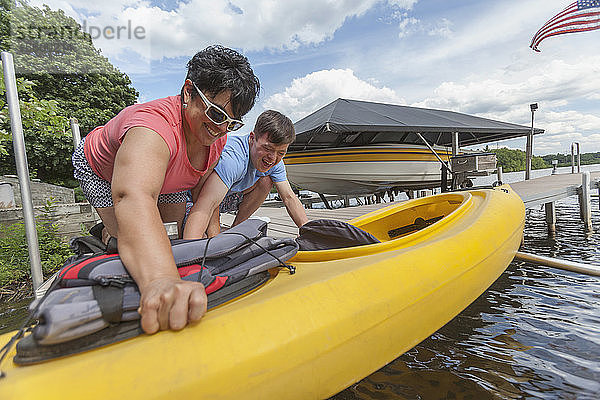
(94, 300)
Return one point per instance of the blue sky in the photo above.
(461, 55)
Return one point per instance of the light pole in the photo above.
(529, 147)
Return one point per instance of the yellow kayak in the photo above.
(343, 315)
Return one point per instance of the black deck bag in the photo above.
(94, 300)
(325, 234)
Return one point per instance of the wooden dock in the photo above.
(281, 224)
(548, 189)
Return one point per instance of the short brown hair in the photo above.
(279, 127)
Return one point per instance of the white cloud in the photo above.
(194, 24)
(505, 94)
(406, 24)
(500, 24)
(566, 127)
(404, 4)
(442, 28)
(309, 93)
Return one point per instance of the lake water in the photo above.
(535, 333)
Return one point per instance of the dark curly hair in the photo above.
(217, 68)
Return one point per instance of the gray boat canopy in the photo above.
(347, 123)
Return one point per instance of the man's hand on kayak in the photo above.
(171, 303)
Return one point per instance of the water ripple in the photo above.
(535, 333)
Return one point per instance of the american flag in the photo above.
(581, 16)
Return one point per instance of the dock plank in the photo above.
(538, 191)
(281, 224)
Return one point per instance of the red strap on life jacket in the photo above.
(72, 272)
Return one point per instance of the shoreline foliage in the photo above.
(15, 275)
(513, 160)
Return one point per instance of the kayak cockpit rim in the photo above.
(455, 205)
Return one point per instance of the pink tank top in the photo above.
(163, 116)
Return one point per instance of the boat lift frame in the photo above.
(445, 166)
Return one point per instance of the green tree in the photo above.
(47, 142)
(66, 72)
(514, 160)
(50, 49)
(564, 160)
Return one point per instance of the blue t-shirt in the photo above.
(235, 167)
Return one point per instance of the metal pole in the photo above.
(551, 218)
(12, 99)
(444, 183)
(500, 175)
(586, 202)
(455, 144)
(529, 149)
(75, 131)
(433, 151)
(528, 157)
(578, 158)
(324, 199)
(572, 158)
(560, 264)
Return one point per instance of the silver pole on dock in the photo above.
(500, 174)
(573, 146)
(560, 264)
(75, 132)
(16, 126)
(455, 144)
(529, 146)
(585, 202)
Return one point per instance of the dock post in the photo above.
(550, 218)
(12, 98)
(455, 144)
(444, 182)
(528, 147)
(499, 172)
(573, 145)
(585, 202)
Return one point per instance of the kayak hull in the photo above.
(312, 334)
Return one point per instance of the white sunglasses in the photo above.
(217, 115)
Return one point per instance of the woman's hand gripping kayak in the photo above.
(171, 303)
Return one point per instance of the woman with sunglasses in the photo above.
(137, 169)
